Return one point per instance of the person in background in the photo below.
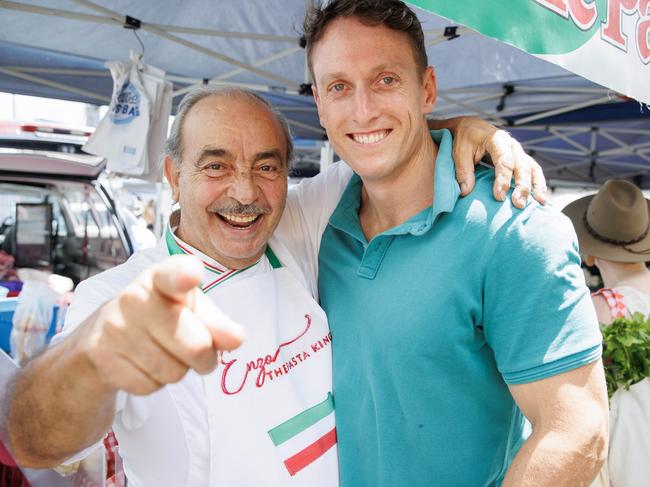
(612, 228)
(149, 214)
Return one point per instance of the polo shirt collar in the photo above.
(446, 193)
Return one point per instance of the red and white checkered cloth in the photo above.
(614, 301)
(114, 469)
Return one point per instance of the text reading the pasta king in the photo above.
(266, 368)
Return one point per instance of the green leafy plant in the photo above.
(626, 351)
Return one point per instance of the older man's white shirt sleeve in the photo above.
(89, 296)
(309, 207)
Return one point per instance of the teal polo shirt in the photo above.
(431, 320)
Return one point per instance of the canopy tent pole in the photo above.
(195, 82)
(593, 139)
(559, 183)
(534, 128)
(630, 165)
(305, 126)
(326, 156)
(557, 89)
(568, 132)
(488, 116)
(158, 226)
(307, 74)
(35, 9)
(585, 151)
(260, 62)
(569, 168)
(582, 129)
(558, 111)
(226, 34)
(485, 94)
(117, 19)
(624, 146)
(283, 108)
(618, 130)
(63, 71)
(434, 37)
(633, 149)
(555, 150)
(474, 89)
(53, 84)
(468, 102)
(230, 74)
(168, 28)
(213, 54)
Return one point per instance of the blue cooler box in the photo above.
(7, 308)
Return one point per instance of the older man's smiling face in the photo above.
(232, 182)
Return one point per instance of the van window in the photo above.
(85, 238)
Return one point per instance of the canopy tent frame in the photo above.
(524, 106)
(45, 82)
(586, 160)
(111, 17)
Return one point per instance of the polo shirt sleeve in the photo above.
(537, 311)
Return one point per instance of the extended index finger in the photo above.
(177, 279)
(227, 333)
(176, 276)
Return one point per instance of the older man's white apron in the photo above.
(270, 408)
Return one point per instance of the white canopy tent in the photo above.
(57, 48)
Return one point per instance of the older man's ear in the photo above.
(172, 174)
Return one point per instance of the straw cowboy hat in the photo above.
(613, 224)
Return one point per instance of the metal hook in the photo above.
(135, 33)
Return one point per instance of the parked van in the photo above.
(55, 212)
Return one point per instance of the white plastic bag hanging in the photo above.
(31, 320)
(160, 110)
(132, 133)
(34, 313)
(121, 136)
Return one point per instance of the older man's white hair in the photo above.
(174, 143)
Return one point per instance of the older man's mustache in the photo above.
(236, 208)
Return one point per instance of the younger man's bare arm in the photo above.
(569, 414)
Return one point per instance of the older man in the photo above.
(253, 420)
(265, 415)
(436, 362)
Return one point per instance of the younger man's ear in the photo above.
(430, 89)
(314, 91)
